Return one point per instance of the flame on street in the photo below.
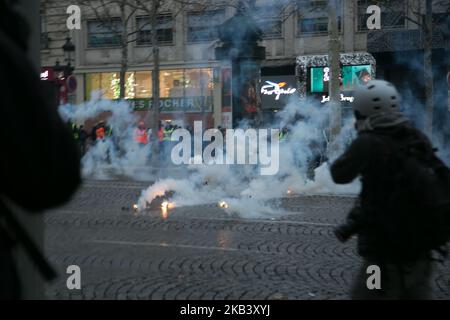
(223, 205)
(165, 206)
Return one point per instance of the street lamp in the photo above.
(68, 49)
(58, 69)
(62, 73)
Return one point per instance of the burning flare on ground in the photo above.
(165, 206)
(223, 205)
(289, 191)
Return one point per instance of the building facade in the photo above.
(191, 80)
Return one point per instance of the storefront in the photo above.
(276, 92)
(313, 75)
(186, 95)
(277, 86)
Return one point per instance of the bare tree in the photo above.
(423, 18)
(334, 61)
(154, 9)
(106, 12)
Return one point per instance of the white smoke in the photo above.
(117, 154)
(250, 194)
(241, 187)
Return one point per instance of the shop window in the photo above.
(171, 83)
(92, 83)
(104, 33)
(186, 82)
(392, 14)
(203, 26)
(143, 84)
(164, 31)
(137, 85)
(198, 82)
(313, 17)
(193, 86)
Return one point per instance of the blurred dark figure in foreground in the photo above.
(38, 170)
(402, 216)
(83, 136)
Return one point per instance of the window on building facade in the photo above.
(203, 26)
(270, 21)
(392, 14)
(138, 84)
(313, 17)
(164, 31)
(44, 34)
(441, 22)
(104, 33)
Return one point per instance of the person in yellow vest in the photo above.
(282, 135)
(168, 132)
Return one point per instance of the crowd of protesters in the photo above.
(142, 135)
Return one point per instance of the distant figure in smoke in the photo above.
(283, 134)
(98, 132)
(402, 215)
(83, 135)
(93, 135)
(140, 134)
(39, 170)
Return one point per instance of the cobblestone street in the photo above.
(199, 252)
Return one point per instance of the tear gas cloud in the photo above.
(119, 153)
(244, 190)
(241, 187)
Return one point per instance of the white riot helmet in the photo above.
(378, 96)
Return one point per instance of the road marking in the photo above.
(306, 223)
(166, 245)
(143, 187)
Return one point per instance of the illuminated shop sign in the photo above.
(351, 76)
(182, 104)
(276, 90)
(47, 74)
(343, 98)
